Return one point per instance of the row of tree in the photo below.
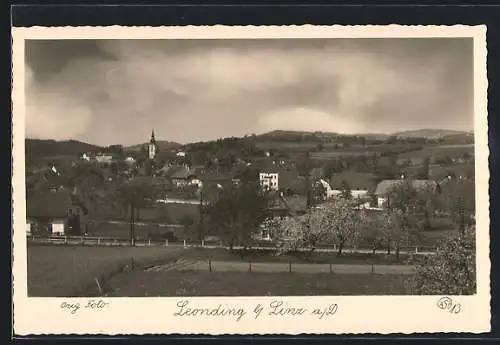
(341, 222)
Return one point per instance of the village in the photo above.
(175, 194)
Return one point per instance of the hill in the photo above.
(163, 145)
(45, 148)
(428, 133)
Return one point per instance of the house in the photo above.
(384, 187)
(360, 184)
(86, 157)
(55, 212)
(181, 175)
(130, 161)
(330, 193)
(104, 158)
(215, 177)
(269, 178)
(282, 206)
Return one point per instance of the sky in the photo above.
(116, 91)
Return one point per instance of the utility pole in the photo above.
(132, 225)
(201, 233)
(462, 214)
(308, 192)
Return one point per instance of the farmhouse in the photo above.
(54, 212)
(181, 175)
(359, 184)
(384, 188)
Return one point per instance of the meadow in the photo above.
(65, 271)
(192, 283)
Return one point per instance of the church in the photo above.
(152, 146)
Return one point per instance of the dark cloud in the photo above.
(115, 91)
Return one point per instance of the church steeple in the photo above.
(152, 146)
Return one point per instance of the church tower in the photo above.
(152, 146)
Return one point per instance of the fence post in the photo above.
(166, 243)
(149, 242)
(83, 242)
(416, 250)
(290, 266)
(184, 243)
(210, 265)
(65, 239)
(98, 241)
(373, 269)
(202, 243)
(250, 266)
(331, 271)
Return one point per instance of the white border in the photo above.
(359, 314)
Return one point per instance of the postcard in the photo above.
(250, 180)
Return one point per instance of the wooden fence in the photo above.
(140, 242)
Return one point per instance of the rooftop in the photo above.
(384, 186)
(355, 180)
(48, 204)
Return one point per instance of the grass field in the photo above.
(188, 283)
(439, 150)
(65, 271)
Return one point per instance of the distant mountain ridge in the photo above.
(163, 145)
(48, 147)
(418, 133)
(429, 133)
(42, 147)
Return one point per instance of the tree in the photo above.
(346, 190)
(187, 222)
(451, 271)
(337, 222)
(318, 193)
(423, 172)
(343, 223)
(301, 232)
(409, 212)
(239, 212)
(134, 197)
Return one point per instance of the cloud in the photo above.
(199, 90)
(307, 119)
(53, 112)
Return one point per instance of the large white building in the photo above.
(269, 179)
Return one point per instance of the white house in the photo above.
(86, 157)
(181, 154)
(269, 179)
(130, 160)
(104, 159)
(330, 193)
(48, 212)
